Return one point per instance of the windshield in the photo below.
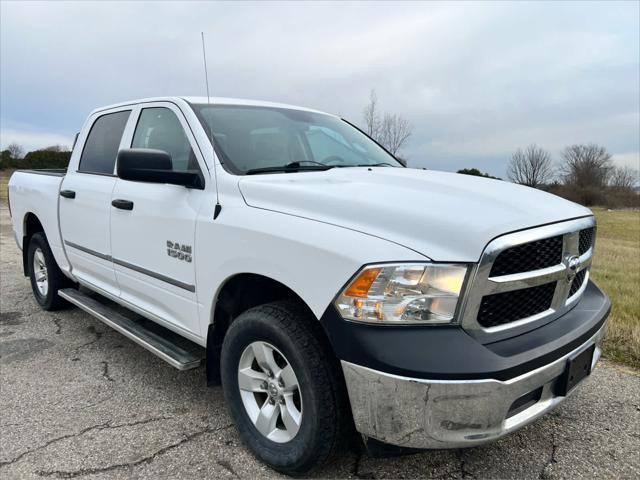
(251, 139)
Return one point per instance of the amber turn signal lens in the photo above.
(361, 285)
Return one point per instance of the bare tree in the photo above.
(586, 166)
(394, 132)
(531, 166)
(624, 178)
(371, 116)
(15, 150)
(391, 131)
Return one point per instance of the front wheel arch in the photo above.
(238, 294)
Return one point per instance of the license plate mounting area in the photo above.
(578, 367)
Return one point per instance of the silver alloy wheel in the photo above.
(40, 272)
(270, 392)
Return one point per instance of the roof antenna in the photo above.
(218, 207)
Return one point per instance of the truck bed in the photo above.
(37, 192)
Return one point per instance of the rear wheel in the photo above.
(283, 388)
(46, 277)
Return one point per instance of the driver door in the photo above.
(153, 225)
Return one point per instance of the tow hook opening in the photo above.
(525, 401)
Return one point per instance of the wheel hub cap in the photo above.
(273, 390)
(40, 272)
(270, 392)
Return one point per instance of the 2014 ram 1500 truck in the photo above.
(326, 286)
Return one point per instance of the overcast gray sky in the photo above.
(477, 80)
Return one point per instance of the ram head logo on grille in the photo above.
(573, 263)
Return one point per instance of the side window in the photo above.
(159, 128)
(101, 148)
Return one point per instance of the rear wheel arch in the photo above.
(30, 226)
(45, 275)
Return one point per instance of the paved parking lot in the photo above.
(79, 400)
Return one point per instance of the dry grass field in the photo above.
(616, 269)
(4, 179)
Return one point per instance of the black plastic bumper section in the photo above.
(450, 353)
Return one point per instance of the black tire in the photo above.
(56, 279)
(326, 419)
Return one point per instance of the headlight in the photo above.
(393, 294)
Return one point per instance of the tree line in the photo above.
(585, 174)
(54, 156)
(584, 166)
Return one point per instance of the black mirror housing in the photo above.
(154, 166)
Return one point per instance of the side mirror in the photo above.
(154, 166)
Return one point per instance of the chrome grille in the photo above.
(585, 240)
(501, 308)
(528, 278)
(577, 282)
(529, 256)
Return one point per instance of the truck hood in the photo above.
(444, 216)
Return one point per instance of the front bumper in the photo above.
(441, 388)
(418, 413)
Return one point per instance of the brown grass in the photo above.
(4, 179)
(616, 269)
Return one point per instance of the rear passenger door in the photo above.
(85, 203)
(152, 243)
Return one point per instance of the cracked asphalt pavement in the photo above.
(78, 400)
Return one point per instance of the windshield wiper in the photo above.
(291, 167)
(381, 164)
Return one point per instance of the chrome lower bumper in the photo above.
(420, 413)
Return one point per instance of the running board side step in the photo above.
(156, 344)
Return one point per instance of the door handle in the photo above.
(122, 204)
(67, 193)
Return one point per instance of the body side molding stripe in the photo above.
(88, 250)
(158, 276)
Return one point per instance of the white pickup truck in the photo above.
(328, 288)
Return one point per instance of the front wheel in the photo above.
(283, 388)
(46, 277)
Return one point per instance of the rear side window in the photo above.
(101, 148)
